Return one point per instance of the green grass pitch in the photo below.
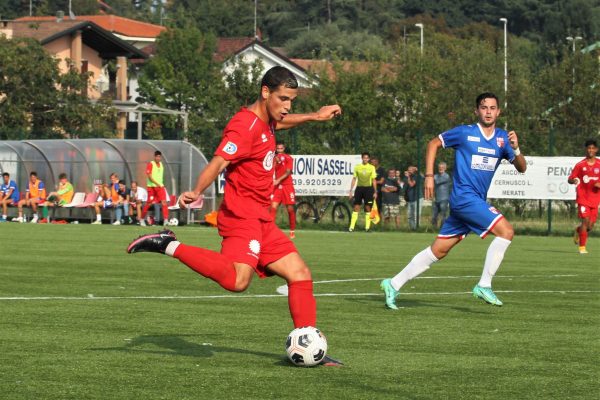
(81, 319)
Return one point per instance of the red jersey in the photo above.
(283, 162)
(589, 175)
(249, 144)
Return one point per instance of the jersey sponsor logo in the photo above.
(587, 179)
(473, 139)
(597, 170)
(254, 246)
(483, 163)
(230, 148)
(494, 210)
(485, 150)
(500, 141)
(268, 161)
(264, 138)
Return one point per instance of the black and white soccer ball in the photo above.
(173, 222)
(306, 346)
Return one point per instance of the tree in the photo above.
(37, 101)
(182, 76)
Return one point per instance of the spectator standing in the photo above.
(36, 194)
(379, 179)
(390, 191)
(283, 185)
(440, 204)
(9, 194)
(413, 195)
(156, 189)
(366, 190)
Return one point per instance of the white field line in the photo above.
(282, 291)
(453, 277)
(255, 296)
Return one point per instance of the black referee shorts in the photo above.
(363, 194)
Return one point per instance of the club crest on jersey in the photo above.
(268, 161)
(230, 148)
(254, 246)
(597, 170)
(264, 138)
(493, 209)
(500, 141)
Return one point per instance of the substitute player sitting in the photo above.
(284, 186)
(586, 175)
(252, 243)
(479, 149)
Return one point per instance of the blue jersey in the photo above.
(475, 160)
(4, 189)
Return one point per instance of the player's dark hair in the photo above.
(591, 142)
(33, 173)
(280, 144)
(157, 153)
(278, 76)
(486, 95)
(121, 182)
(365, 154)
(62, 176)
(6, 174)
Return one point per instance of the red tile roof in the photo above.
(112, 23)
(226, 47)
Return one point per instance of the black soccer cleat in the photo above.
(331, 362)
(155, 242)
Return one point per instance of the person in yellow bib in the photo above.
(366, 190)
(156, 188)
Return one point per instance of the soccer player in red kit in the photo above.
(586, 175)
(252, 243)
(156, 188)
(284, 186)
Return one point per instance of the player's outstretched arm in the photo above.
(519, 161)
(206, 178)
(432, 148)
(324, 114)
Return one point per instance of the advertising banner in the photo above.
(325, 175)
(545, 178)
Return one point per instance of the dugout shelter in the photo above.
(86, 161)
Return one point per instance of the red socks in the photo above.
(583, 235)
(215, 266)
(209, 264)
(301, 301)
(165, 211)
(292, 215)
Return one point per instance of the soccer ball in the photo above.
(173, 222)
(306, 346)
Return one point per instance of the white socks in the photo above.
(98, 217)
(419, 264)
(494, 257)
(171, 247)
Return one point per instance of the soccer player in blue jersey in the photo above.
(479, 149)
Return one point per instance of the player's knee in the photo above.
(241, 283)
(301, 273)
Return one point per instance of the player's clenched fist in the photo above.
(187, 198)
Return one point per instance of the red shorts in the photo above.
(156, 194)
(587, 212)
(284, 194)
(252, 241)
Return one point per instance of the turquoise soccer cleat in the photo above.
(487, 295)
(390, 294)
